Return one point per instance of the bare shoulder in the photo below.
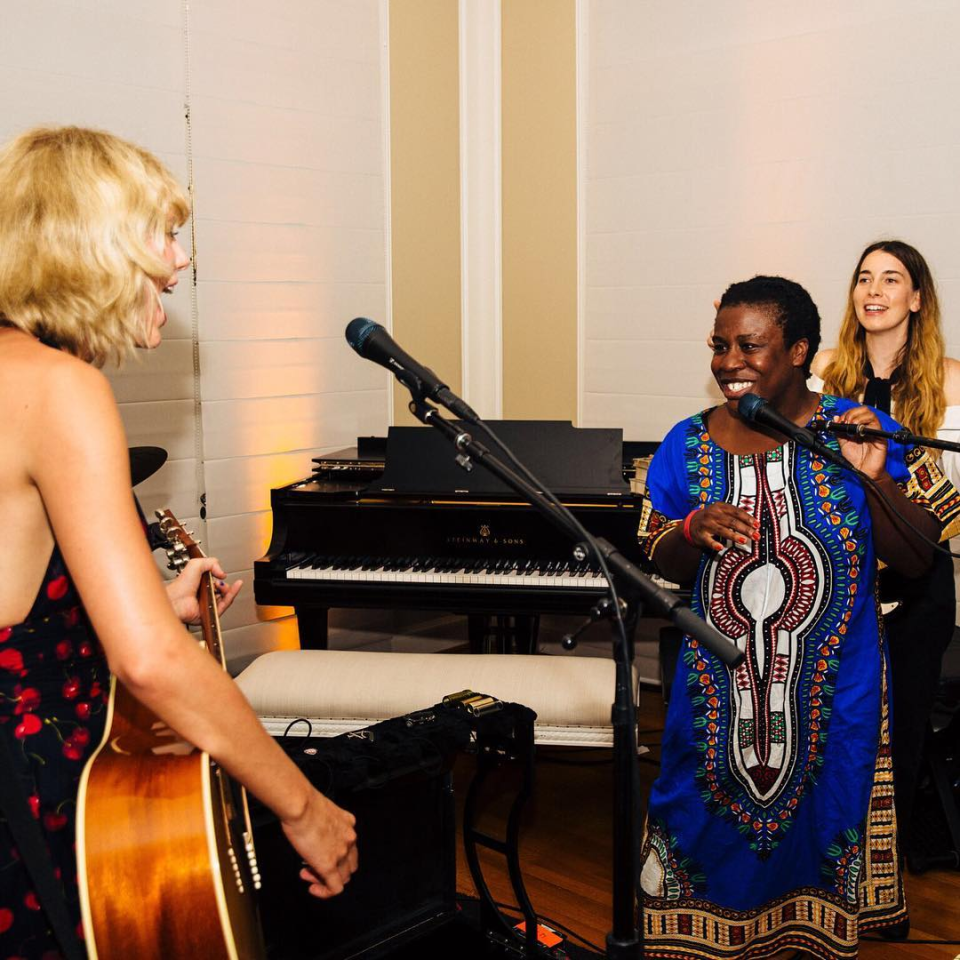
(951, 381)
(72, 409)
(66, 386)
(822, 360)
(36, 374)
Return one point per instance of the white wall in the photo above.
(285, 146)
(725, 140)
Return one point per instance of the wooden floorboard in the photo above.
(566, 851)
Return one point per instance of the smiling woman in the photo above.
(891, 356)
(775, 778)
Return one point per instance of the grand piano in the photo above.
(399, 523)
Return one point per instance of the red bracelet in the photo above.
(686, 526)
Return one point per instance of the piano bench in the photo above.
(342, 690)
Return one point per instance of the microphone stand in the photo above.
(903, 435)
(624, 942)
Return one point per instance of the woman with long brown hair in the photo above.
(88, 238)
(890, 356)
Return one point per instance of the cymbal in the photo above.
(145, 462)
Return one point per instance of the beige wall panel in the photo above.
(425, 187)
(239, 191)
(238, 428)
(291, 79)
(623, 312)
(243, 484)
(162, 374)
(151, 117)
(648, 367)
(242, 369)
(327, 28)
(644, 413)
(290, 252)
(260, 134)
(245, 311)
(68, 35)
(539, 209)
(240, 539)
(173, 487)
(165, 423)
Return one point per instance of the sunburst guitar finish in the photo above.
(165, 853)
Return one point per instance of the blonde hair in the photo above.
(918, 393)
(83, 218)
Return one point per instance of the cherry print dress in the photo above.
(54, 685)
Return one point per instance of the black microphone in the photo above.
(756, 410)
(372, 342)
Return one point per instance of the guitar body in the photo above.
(164, 850)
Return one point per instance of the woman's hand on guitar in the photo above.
(324, 836)
(182, 591)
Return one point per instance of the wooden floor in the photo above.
(566, 852)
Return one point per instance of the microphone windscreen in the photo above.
(750, 405)
(358, 331)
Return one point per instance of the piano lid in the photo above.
(581, 461)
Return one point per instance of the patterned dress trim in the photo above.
(930, 487)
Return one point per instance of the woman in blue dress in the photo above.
(771, 827)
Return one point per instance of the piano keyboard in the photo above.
(549, 575)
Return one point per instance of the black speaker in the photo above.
(395, 777)
(405, 885)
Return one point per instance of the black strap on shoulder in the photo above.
(35, 855)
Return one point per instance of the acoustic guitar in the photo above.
(165, 855)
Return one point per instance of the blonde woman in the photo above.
(891, 356)
(88, 239)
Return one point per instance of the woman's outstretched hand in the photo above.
(182, 592)
(324, 836)
(722, 521)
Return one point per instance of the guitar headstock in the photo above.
(180, 543)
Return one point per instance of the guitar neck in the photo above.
(182, 548)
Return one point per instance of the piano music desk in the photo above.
(343, 690)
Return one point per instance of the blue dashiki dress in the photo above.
(771, 824)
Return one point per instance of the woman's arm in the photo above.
(894, 542)
(677, 557)
(80, 464)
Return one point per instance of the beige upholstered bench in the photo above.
(340, 690)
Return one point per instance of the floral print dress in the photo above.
(54, 685)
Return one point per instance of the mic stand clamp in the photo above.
(603, 609)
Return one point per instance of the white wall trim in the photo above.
(481, 276)
(387, 182)
(582, 81)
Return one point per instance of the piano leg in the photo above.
(503, 634)
(312, 626)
